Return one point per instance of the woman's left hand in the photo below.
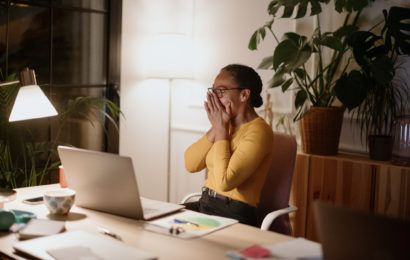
(219, 116)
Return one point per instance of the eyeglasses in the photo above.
(220, 91)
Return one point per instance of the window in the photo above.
(70, 45)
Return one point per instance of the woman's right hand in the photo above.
(219, 116)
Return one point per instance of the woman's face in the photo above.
(227, 90)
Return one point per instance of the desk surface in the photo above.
(211, 246)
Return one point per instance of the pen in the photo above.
(182, 221)
(108, 233)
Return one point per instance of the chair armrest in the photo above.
(189, 196)
(269, 218)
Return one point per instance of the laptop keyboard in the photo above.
(150, 210)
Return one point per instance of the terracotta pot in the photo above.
(320, 130)
(380, 147)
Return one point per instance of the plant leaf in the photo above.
(350, 5)
(267, 63)
(300, 99)
(253, 41)
(351, 89)
(331, 42)
(382, 70)
(290, 5)
(278, 79)
(284, 52)
(397, 29)
(346, 30)
(287, 84)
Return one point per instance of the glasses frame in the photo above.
(220, 91)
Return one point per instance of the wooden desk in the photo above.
(211, 246)
(348, 180)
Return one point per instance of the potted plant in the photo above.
(380, 100)
(321, 121)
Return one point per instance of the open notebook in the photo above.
(107, 182)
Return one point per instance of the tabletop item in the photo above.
(107, 182)
(41, 227)
(9, 194)
(62, 179)
(23, 216)
(6, 219)
(100, 245)
(59, 202)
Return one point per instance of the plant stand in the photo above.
(320, 130)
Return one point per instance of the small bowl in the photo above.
(59, 202)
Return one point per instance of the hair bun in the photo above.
(257, 102)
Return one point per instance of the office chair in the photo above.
(273, 209)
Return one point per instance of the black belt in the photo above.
(213, 194)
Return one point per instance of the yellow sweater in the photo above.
(237, 167)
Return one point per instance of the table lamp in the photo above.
(31, 102)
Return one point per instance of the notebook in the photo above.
(351, 234)
(107, 182)
(79, 245)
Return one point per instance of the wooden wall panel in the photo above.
(348, 180)
(298, 196)
(340, 182)
(392, 192)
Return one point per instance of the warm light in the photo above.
(168, 56)
(31, 103)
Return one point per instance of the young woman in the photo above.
(237, 150)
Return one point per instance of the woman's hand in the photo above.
(219, 116)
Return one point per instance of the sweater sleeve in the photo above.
(230, 171)
(195, 155)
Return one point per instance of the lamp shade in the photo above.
(168, 55)
(31, 102)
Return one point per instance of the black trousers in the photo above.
(244, 213)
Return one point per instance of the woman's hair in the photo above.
(246, 77)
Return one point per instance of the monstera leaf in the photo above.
(397, 29)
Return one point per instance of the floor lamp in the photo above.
(169, 56)
(31, 102)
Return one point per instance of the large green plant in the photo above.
(371, 87)
(24, 161)
(293, 51)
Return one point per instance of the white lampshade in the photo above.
(168, 55)
(31, 103)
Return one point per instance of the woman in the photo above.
(237, 150)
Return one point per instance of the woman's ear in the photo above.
(245, 95)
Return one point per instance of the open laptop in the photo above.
(107, 182)
(352, 234)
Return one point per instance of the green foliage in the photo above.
(370, 88)
(24, 161)
(293, 51)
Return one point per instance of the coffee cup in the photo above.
(59, 202)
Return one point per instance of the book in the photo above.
(41, 227)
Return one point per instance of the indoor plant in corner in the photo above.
(321, 121)
(381, 100)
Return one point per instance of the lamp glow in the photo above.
(31, 102)
(168, 55)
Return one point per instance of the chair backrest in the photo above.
(276, 190)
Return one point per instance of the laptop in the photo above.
(352, 234)
(107, 182)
